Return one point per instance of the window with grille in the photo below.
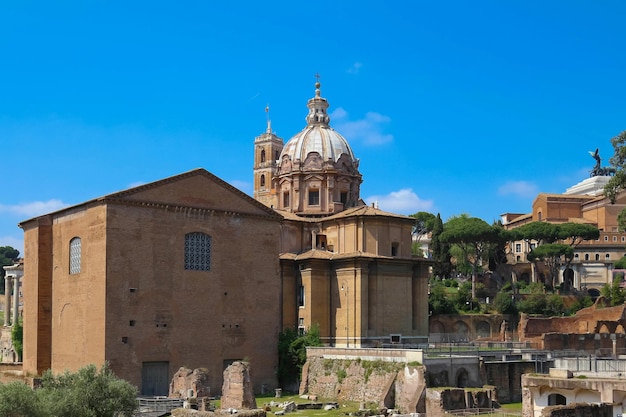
(75, 253)
(197, 251)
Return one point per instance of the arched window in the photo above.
(557, 399)
(197, 251)
(597, 256)
(263, 155)
(75, 255)
(262, 180)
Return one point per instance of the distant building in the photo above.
(593, 263)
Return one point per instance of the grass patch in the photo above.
(343, 409)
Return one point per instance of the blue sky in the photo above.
(451, 106)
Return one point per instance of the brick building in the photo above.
(182, 271)
(592, 266)
(189, 271)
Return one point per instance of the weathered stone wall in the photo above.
(237, 390)
(465, 327)
(440, 401)
(389, 384)
(578, 410)
(595, 319)
(188, 383)
(453, 372)
(601, 344)
(507, 376)
(7, 353)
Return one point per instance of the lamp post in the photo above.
(344, 287)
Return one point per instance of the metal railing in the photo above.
(157, 404)
(490, 412)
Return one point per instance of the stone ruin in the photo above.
(190, 384)
(237, 391)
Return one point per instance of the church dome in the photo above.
(316, 139)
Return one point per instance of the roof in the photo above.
(128, 193)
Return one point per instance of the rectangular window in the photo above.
(518, 247)
(314, 197)
(285, 200)
(344, 197)
(301, 296)
(394, 249)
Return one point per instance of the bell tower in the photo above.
(267, 148)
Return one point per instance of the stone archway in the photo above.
(462, 378)
(568, 278)
(593, 292)
(604, 329)
(437, 331)
(556, 399)
(483, 329)
(461, 331)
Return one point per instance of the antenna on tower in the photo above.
(269, 121)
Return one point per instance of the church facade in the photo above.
(190, 271)
(345, 266)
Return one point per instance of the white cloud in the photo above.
(368, 130)
(13, 242)
(404, 201)
(354, 69)
(34, 208)
(520, 188)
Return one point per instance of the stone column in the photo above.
(7, 300)
(16, 299)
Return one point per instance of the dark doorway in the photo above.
(155, 379)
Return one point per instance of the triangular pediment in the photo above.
(195, 189)
(314, 177)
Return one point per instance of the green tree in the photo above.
(17, 338)
(498, 250)
(617, 183)
(440, 251)
(292, 353)
(474, 237)
(504, 303)
(438, 299)
(554, 306)
(614, 293)
(534, 303)
(8, 256)
(19, 400)
(424, 224)
(621, 264)
(87, 393)
(553, 255)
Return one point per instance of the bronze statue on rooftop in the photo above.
(598, 170)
